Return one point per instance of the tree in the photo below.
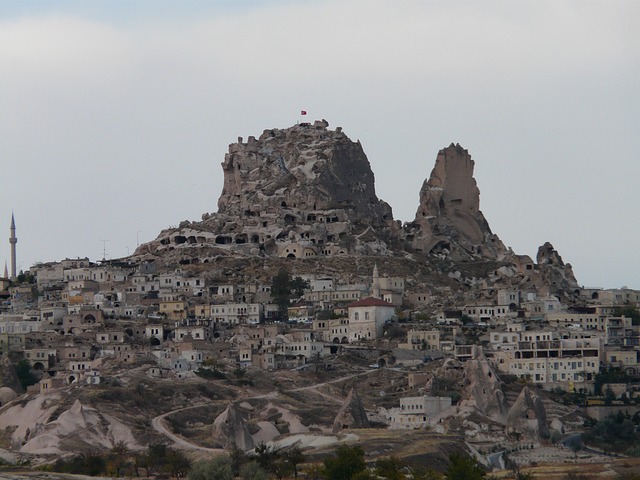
(629, 311)
(391, 468)
(266, 455)
(283, 287)
(345, 462)
(253, 471)
(217, 469)
(25, 375)
(119, 458)
(238, 458)
(281, 292)
(298, 286)
(463, 467)
(294, 457)
(177, 463)
(155, 458)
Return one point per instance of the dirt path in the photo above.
(159, 426)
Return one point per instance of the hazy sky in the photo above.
(116, 115)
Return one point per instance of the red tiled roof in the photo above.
(370, 302)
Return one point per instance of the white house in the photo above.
(367, 318)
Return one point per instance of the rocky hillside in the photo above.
(309, 192)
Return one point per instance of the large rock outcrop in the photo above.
(448, 218)
(295, 192)
(230, 429)
(307, 191)
(528, 417)
(352, 414)
(483, 389)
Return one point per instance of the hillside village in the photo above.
(301, 293)
(75, 321)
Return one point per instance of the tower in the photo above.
(375, 284)
(13, 240)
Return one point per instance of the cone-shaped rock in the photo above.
(352, 414)
(449, 215)
(528, 416)
(483, 389)
(229, 428)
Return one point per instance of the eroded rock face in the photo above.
(483, 389)
(352, 414)
(449, 219)
(295, 192)
(300, 170)
(308, 191)
(528, 416)
(229, 428)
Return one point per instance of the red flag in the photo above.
(303, 112)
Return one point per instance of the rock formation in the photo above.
(483, 389)
(295, 192)
(229, 429)
(449, 219)
(351, 414)
(307, 191)
(528, 416)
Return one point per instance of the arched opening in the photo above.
(595, 296)
(89, 318)
(154, 342)
(336, 340)
(382, 362)
(38, 366)
(71, 379)
(344, 340)
(291, 255)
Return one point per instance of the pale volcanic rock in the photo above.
(302, 168)
(295, 192)
(351, 414)
(528, 416)
(483, 389)
(449, 218)
(229, 428)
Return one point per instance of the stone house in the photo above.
(367, 318)
(416, 412)
(173, 309)
(191, 332)
(421, 340)
(238, 313)
(41, 358)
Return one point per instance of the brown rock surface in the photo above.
(351, 414)
(229, 428)
(449, 217)
(527, 416)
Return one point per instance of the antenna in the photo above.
(104, 249)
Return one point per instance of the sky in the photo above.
(115, 115)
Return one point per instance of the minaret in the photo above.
(6, 272)
(13, 240)
(375, 284)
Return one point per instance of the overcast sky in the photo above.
(116, 115)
